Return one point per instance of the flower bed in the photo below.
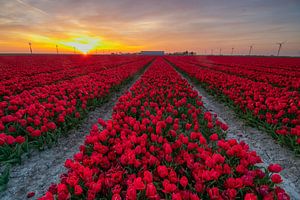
(19, 73)
(277, 110)
(280, 72)
(37, 117)
(160, 144)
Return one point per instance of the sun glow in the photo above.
(84, 44)
(73, 43)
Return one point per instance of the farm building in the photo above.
(153, 53)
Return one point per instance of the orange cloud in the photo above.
(132, 25)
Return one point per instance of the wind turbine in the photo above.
(56, 49)
(250, 50)
(232, 50)
(280, 45)
(30, 47)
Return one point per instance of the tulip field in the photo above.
(268, 97)
(37, 106)
(44, 101)
(160, 142)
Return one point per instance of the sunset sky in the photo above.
(134, 25)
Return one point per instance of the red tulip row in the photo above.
(287, 80)
(27, 66)
(37, 73)
(161, 144)
(41, 114)
(276, 109)
(275, 65)
(21, 66)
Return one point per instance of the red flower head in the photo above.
(20, 139)
(138, 184)
(229, 194)
(188, 126)
(2, 127)
(214, 137)
(276, 178)
(169, 120)
(116, 197)
(162, 171)
(51, 125)
(210, 125)
(214, 193)
(36, 133)
(173, 176)
(30, 194)
(116, 189)
(77, 115)
(151, 191)
(168, 187)
(167, 148)
(78, 190)
(131, 193)
(176, 196)
(184, 181)
(250, 196)
(62, 191)
(281, 194)
(10, 139)
(199, 187)
(147, 176)
(276, 168)
(263, 190)
(234, 183)
(224, 127)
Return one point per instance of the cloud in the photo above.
(169, 24)
(30, 7)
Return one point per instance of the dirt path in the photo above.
(43, 168)
(259, 141)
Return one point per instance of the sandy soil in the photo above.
(261, 142)
(37, 173)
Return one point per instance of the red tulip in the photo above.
(162, 171)
(250, 196)
(276, 178)
(276, 168)
(183, 181)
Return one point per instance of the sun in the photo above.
(84, 44)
